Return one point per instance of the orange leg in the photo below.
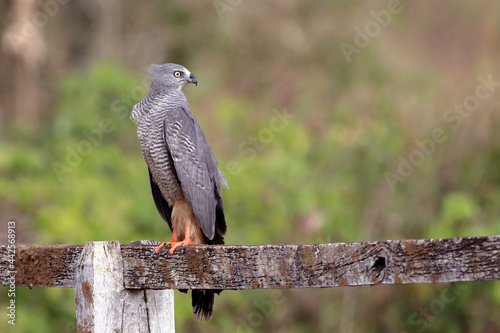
(175, 244)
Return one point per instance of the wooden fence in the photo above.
(128, 288)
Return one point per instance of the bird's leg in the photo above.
(187, 240)
(175, 244)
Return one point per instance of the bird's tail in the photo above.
(203, 303)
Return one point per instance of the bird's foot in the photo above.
(159, 247)
(163, 244)
(173, 245)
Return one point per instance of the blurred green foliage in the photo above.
(318, 175)
(311, 188)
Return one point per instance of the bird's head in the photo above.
(168, 77)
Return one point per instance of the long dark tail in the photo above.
(203, 303)
(203, 300)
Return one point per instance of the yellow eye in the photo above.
(177, 74)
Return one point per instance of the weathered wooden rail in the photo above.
(128, 287)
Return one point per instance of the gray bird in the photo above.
(183, 172)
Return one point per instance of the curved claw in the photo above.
(159, 247)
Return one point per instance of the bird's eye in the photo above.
(177, 74)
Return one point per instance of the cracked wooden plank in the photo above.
(312, 266)
(273, 266)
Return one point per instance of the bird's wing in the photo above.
(161, 204)
(195, 165)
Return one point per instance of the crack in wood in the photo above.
(271, 266)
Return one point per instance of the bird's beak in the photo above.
(192, 79)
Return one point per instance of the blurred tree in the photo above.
(70, 79)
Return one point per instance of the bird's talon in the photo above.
(181, 243)
(159, 247)
(173, 245)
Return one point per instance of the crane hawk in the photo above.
(184, 175)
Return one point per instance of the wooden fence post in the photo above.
(104, 305)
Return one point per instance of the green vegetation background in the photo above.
(72, 170)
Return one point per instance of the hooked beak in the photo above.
(192, 79)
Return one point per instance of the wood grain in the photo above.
(272, 266)
(104, 305)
